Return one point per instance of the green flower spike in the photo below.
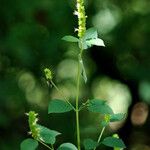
(107, 118)
(34, 130)
(80, 12)
(48, 74)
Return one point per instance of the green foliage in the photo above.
(89, 144)
(90, 33)
(48, 136)
(67, 146)
(90, 38)
(58, 106)
(97, 42)
(113, 142)
(99, 106)
(117, 117)
(70, 38)
(29, 144)
(87, 38)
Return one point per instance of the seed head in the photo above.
(48, 74)
(80, 12)
(32, 120)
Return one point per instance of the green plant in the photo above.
(47, 137)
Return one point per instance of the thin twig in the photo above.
(55, 86)
(45, 145)
(100, 136)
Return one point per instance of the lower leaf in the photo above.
(67, 146)
(113, 142)
(89, 144)
(29, 144)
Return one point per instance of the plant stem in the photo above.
(55, 86)
(100, 136)
(77, 107)
(45, 145)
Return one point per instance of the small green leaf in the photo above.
(90, 33)
(70, 38)
(58, 106)
(29, 144)
(97, 42)
(117, 136)
(89, 144)
(113, 142)
(67, 146)
(83, 73)
(117, 117)
(47, 135)
(99, 106)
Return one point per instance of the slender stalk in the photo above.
(100, 136)
(45, 145)
(55, 86)
(77, 107)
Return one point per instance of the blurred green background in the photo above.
(30, 40)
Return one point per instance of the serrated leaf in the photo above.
(113, 142)
(90, 33)
(70, 38)
(67, 146)
(117, 117)
(89, 144)
(47, 135)
(58, 106)
(83, 72)
(29, 144)
(97, 42)
(99, 106)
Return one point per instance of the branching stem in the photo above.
(55, 86)
(45, 145)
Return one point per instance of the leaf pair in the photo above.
(31, 144)
(89, 39)
(100, 106)
(114, 142)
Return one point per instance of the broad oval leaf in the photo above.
(70, 38)
(97, 42)
(58, 106)
(99, 106)
(117, 117)
(29, 144)
(89, 144)
(67, 146)
(47, 135)
(90, 33)
(113, 142)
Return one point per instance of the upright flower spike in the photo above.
(80, 12)
(34, 130)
